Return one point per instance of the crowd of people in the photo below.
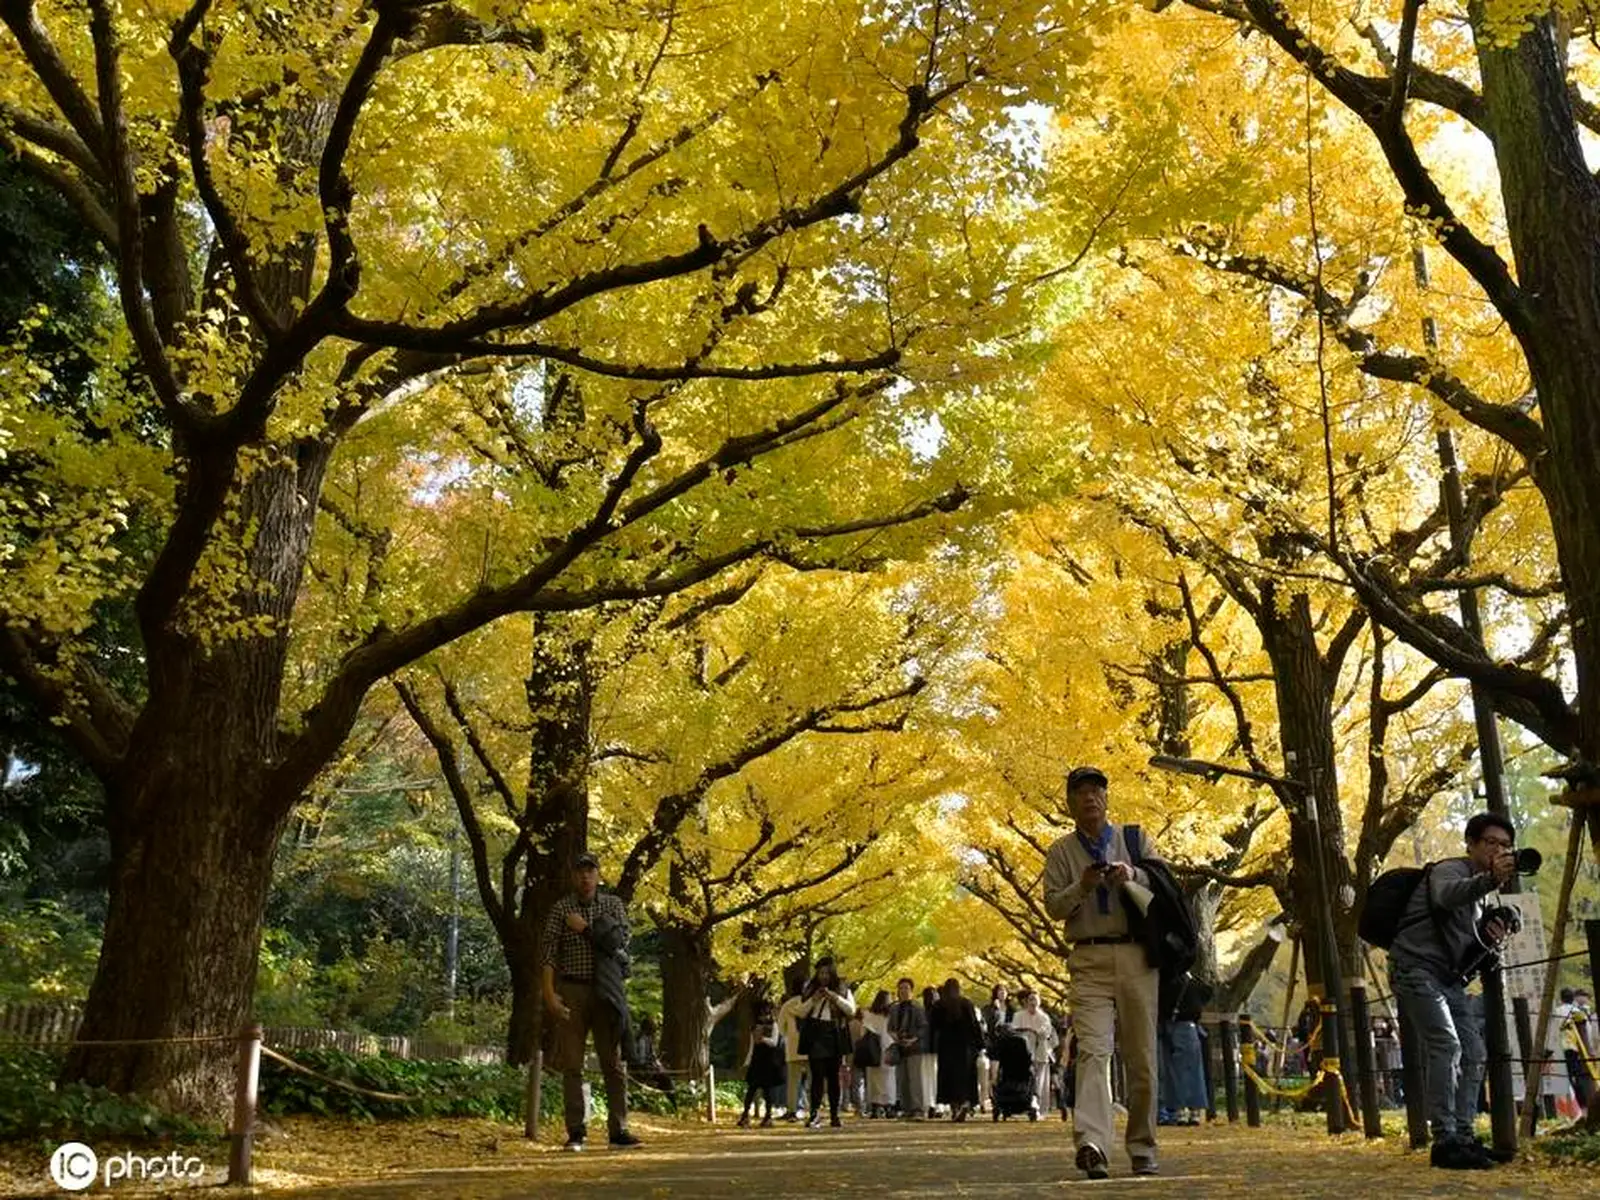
(918, 1057)
(914, 1055)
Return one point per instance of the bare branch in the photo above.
(499, 909)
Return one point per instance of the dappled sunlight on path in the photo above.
(880, 1159)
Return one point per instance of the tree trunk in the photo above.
(560, 695)
(1552, 204)
(526, 1027)
(183, 929)
(194, 814)
(686, 971)
(1304, 691)
(1205, 902)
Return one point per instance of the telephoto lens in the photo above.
(1529, 861)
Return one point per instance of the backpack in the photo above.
(1388, 896)
(1168, 931)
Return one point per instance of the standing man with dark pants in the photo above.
(585, 959)
(1442, 928)
(1113, 986)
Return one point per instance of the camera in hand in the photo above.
(1529, 861)
(1487, 956)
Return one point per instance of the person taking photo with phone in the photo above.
(1113, 986)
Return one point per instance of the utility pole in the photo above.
(1502, 1105)
(452, 939)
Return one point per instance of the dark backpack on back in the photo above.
(1388, 896)
(1168, 932)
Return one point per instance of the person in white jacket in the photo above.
(828, 1006)
(880, 1079)
(1034, 1024)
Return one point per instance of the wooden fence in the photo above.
(48, 1024)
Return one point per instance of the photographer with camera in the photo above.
(1446, 932)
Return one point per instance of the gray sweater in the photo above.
(1445, 940)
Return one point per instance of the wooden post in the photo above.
(1230, 1073)
(1366, 1068)
(1283, 1025)
(1414, 1077)
(711, 1093)
(1577, 800)
(533, 1100)
(1247, 1056)
(247, 1081)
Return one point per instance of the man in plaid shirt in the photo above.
(585, 948)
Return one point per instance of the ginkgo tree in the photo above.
(661, 713)
(1476, 123)
(358, 247)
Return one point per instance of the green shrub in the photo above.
(1580, 1149)
(34, 1107)
(432, 1089)
(48, 952)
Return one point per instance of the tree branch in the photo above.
(1369, 100)
(445, 752)
(843, 198)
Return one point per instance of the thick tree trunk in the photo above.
(178, 961)
(526, 1027)
(194, 815)
(1552, 204)
(560, 695)
(686, 971)
(1205, 903)
(1304, 691)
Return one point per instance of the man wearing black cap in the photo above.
(1113, 986)
(585, 957)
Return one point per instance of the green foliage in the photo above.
(47, 951)
(442, 1089)
(433, 1089)
(1576, 1149)
(34, 1106)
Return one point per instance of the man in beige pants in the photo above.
(1113, 986)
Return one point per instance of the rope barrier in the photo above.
(339, 1083)
(1329, 1066)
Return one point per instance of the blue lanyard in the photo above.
(1096, 850)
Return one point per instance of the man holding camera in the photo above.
(1447, 927)
(1114, 987)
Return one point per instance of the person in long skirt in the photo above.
(930, 1061)
(957, 1036)
(764, 1065)
(880, 1079)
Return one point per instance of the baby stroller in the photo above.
(1013, 1090)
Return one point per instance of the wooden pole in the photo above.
(711, 1092)
(247, 1082)
(1247, 1055)
(1288, 1009)
(1558, 945)
(533, 1100)
(1230, 1073)
(1366, 1069)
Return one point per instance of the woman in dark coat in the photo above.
(959, 1037)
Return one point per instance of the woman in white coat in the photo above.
(880, 1079)
(1034, 1024)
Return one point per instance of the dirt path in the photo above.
(1014, 1159)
